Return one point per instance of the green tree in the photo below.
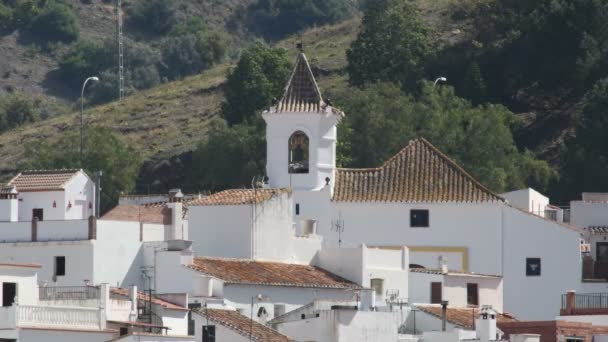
(17, 109)
(85, 58)
(586, 164)
(478, 138)
(6, 17)
(155, 15)
(56, 22)
(393, 45)
(192, 53)
(274, 19)
(26, 10)
(103, 151)
(230, 156)
(473, 85)
(257, 79)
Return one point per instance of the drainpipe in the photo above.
(444, 314)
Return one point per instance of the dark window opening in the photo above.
(472, 294)
(298, 153)
(9, 292)
(191, 322)
(419, 218)
(532, 267)
(59, 265)
(124, 331)
(297, 209)
(436, 293)
(38, 213)
(208, 333)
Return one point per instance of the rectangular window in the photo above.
(59, 265)
(472, 294)
(532, 267)
(124, 331)
(378, 286)
(9, 292)
(38, 213)
(193, 306)
(297, 208)
(436, 293)
(208, 333)
(419, 218)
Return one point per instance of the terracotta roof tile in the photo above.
(3, 264)
(238, 197)
(417, 173)
(243, 325)
(238, 271)
(452, 273)
(302, 93)
(42, 180)
(145, 297)
(463, 317)
(139, 213)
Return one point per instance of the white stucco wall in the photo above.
(451, 225)
(78, 259)
(26, 280)
(529, 236)
(35, 335)
(420, 286)
(420, 321)
(585, 214)
(175, 320)
(490, 291)
(273, 227)
(528, 199)
(117, 254)
(229, 226)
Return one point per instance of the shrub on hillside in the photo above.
(26, 10)
(155, 15)
(84, 59)
(16, 110)
(6, 17)
(56, 22)
(192, 53)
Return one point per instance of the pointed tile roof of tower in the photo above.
(302, 93)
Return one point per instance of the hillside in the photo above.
(171, 119)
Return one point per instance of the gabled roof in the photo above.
(42, 180)
(417, 173)
(238, 197)
(243, 325)
(139, 213)
(145, 297)
(302, 93)
(251, 272)
(462, 317)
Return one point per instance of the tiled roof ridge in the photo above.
(450, 272)
(425, 308)
(58, 172)
(293, 97)
(48, 171)
(241, 331)
(245, 196)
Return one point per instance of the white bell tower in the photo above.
(301, 135)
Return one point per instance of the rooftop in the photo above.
(462, 317)
(154, 214)
(452, 273)
(5, 264)
(42, 180)
(145, 297)
(238, 197)
(417, 173)
(243, 325)
(250, 272)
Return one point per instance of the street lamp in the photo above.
(440, 79)
(93, 78)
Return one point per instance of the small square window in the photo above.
(532, 267)
(419, 218)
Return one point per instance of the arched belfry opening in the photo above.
(298, 152)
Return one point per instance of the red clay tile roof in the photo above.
(417, 173)
(238, 197)
(462, 317)
(302, 93)
(20, 265)
(42, 180)
(452, 273)
(238, 271)
(144, 297)
(243, 326)
(139, 213)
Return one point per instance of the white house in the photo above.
(53, 195)
(419, 198)
(334, 321)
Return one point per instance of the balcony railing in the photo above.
(51, 317)
(584, 303)
(69, 293)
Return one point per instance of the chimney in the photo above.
(570, 302)
(444, 315)
(9, 205)
(175, 204)
(443, 264)
(486, 325)
(133, 298)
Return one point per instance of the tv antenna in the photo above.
(338, 226)
(119, 40)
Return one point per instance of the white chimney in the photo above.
(486, 325)
(176, 231)
(9, 204)
(443, 264)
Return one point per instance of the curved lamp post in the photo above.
(440, 79)
(84, 85)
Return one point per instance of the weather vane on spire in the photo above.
(300, 44)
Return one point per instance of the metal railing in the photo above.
(69, 293)
(587, 301)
